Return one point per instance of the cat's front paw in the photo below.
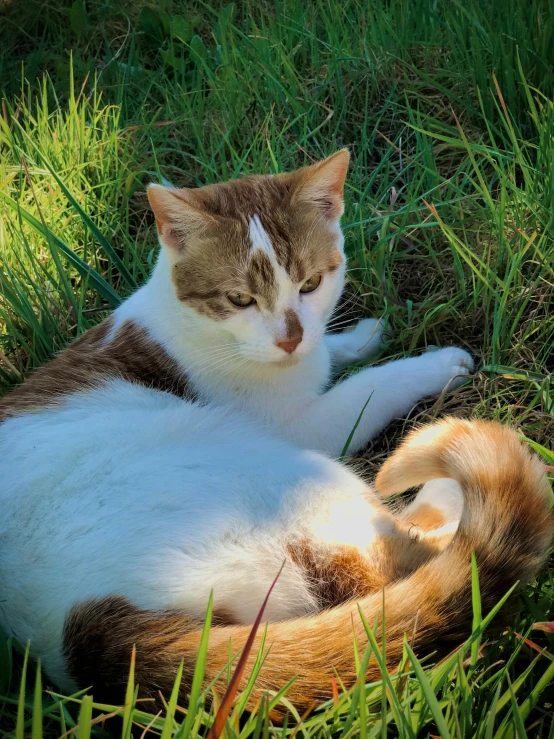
(449, 366)
(366, 337)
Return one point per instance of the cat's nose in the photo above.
(289, 345)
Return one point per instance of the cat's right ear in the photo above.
(177, 214)
(322, 184)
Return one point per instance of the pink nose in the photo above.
(289, 345)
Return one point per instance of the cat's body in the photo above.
(177, 499)
(168, 453)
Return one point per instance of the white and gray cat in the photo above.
(186, 444)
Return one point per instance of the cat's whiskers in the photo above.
(203, 352)
(217, 363)
(341, 306)
(341, 317)
(223, 354)
(211, 351)
(353, 296)
(339, 324)
(243, 366)
(338, 321)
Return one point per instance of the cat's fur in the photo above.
(177, 449)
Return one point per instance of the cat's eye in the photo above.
(241, 300)
(310, 285)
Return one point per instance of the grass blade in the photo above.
(167, 731)
(85, 718)
(351, 435)
(429, 693)
(129, 697)
(477, 611)
(228, 698)
(36, 728)
(199, 670)
(20, 725)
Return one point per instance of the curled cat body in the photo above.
(188, 445)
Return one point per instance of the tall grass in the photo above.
(447, 108)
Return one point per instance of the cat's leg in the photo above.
(435, 512)
(345, 571)
(420, 531)
(390, 391)
(360, 342)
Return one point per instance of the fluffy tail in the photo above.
(506, 522)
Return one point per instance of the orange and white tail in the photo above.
(506, 522)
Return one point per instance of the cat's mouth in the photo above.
(289, 361)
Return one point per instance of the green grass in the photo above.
(447, 108)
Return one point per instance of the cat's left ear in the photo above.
(322, 184)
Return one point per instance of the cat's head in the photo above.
(262, 256)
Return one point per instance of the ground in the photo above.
(447, 109)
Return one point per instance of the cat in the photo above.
(266, 240)
(187, 444)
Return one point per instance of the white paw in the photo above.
(444, 495)
(366, 337)
(450, 366)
